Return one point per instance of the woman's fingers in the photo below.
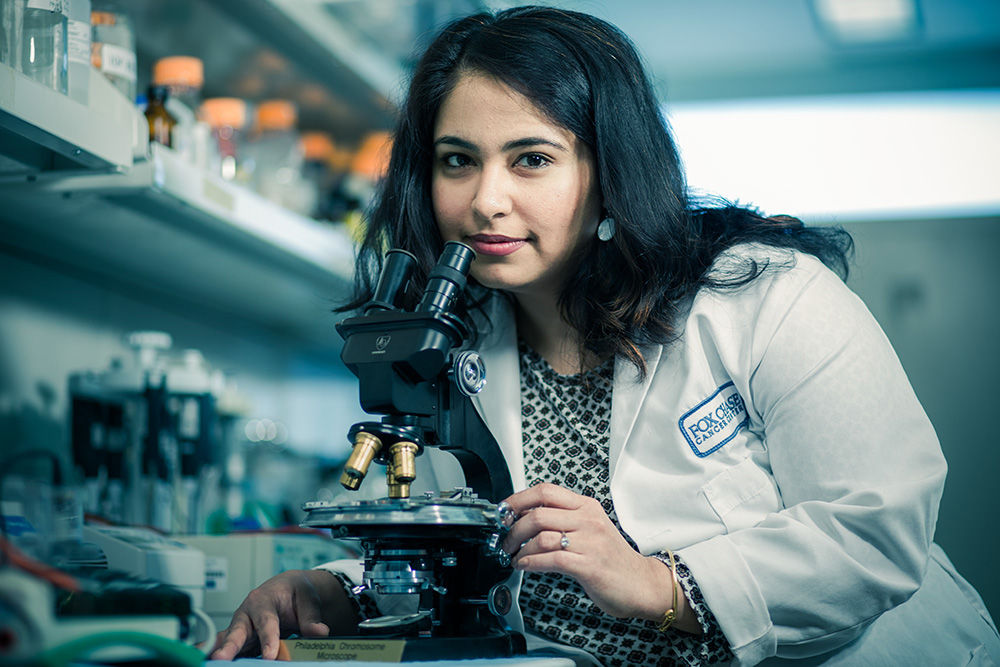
(541, 507)
(537, 521)
(543, 495)
(543, 542)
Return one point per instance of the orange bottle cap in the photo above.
(103, 18)
(372, 159)
(224, 111)
(276, 115)
(179, 71)
(317, 146)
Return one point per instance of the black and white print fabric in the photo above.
(565, 423)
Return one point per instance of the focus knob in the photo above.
(469, 372)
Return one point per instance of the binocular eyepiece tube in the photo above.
(395, 274)
(447, 278)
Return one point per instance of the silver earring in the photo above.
(606, 229)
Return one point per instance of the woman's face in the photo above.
(512, 185)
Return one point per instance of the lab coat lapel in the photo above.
(499, 403)
(627, 398)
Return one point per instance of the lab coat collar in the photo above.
(499, 404)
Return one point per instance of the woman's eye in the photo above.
(455, 160)
(532, 160)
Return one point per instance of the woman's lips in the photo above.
(493, 244)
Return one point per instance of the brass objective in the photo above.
(366, 446)
(401, 469)
(396, 489)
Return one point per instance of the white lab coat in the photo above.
(815, 516)
(779, 449)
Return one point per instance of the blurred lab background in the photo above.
(181, 184)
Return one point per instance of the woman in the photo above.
(719, 458)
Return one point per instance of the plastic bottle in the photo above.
(274, 155)
(112, 45)
(184, 76)
(44, 55)
(227, 117)
(78, 49)
(161, 122)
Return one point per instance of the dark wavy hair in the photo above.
(586, 75)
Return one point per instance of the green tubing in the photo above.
(168, 650)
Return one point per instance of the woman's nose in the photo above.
(493, 196)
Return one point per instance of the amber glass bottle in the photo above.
(161, 123)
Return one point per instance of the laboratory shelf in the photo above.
(41, 129)
(169, 230)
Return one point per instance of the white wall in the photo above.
(933, 286)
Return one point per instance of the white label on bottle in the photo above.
(79, 41)
(47, 5)
(118, 61)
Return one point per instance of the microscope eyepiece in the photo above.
(395, 274)
(447, 278)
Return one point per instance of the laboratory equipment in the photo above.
(45, 622)
(147, 554)
(144, 435)
(417, 371)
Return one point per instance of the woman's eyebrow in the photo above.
(455, 141)
(532, 141)
(510, 145)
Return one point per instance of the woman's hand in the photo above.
(307, 602)
(558, 530)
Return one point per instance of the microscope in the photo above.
(416, 370)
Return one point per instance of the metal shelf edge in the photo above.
(100, 135)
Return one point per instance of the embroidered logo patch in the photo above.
(715, 421)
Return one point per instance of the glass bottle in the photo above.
(274, 154)
(227, 118)
(161, 123)
(44, 55)
(11, 27)
(184, 77)
(112, 45)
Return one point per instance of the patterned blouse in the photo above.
(565, 423)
